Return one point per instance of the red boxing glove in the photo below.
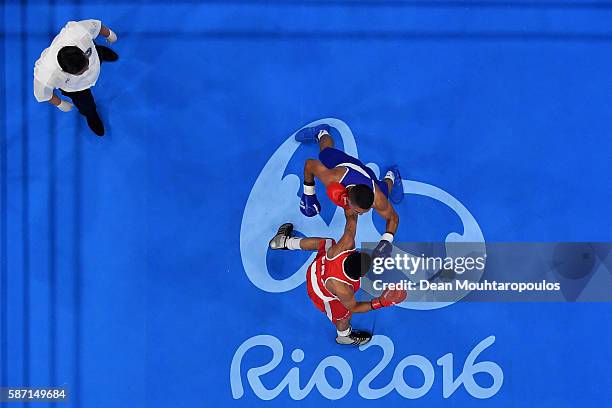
(338, 194)
(388, 298)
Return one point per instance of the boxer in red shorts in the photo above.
(334, 276)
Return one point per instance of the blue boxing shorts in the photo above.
(358, 173)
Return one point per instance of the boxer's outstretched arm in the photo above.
(347, 241)
(345, 294)
(386, 210)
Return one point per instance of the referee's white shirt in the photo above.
(47, 73)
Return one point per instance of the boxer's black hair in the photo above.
(71, 59)
(362, 196)
(357, 264)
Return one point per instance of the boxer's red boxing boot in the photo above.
(282, 235)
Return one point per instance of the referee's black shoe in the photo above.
(96, 125)
(106, 54)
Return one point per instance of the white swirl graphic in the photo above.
(274, 199)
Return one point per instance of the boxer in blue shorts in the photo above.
(350, 184)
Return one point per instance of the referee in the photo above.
(72, 65)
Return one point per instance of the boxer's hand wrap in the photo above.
(309, 204)
(338, 195)
(384, 247)
(388, 298)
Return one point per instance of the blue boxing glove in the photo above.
(309, 204)
(384, 247)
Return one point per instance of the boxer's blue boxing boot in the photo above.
(312, 134)
(397, 192)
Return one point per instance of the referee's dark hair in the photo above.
(71, 59)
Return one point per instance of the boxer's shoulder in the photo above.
(339, 286)
(337, 173)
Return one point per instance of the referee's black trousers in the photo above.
(84, 101)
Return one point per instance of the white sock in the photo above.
(321, 134)
(344, 333)
(391, 176)
(293, 243)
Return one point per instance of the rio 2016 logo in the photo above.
(259, 223)
(365, 389)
